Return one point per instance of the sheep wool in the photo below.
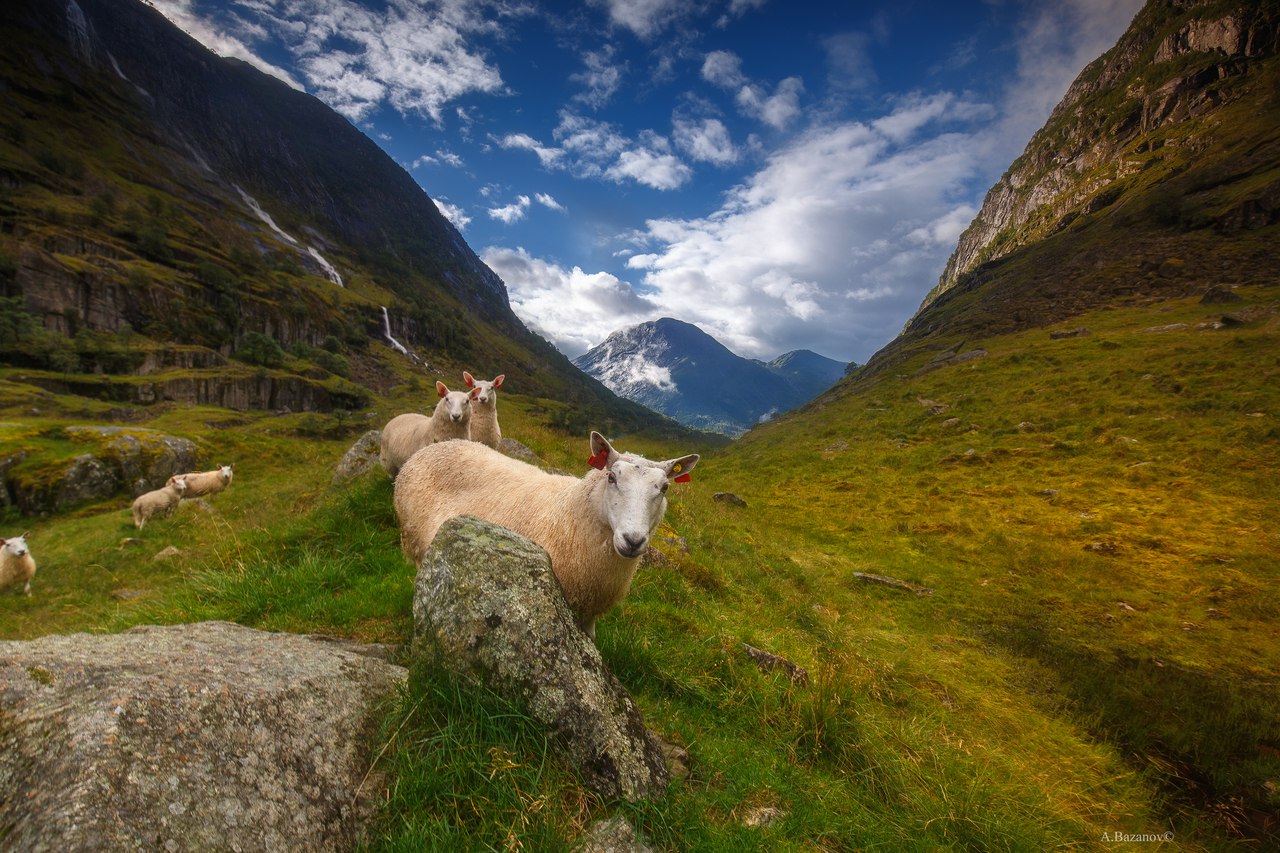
(484, 409)
(158, 502)
(201, 483)
(594, 529)
(17, 566)
(405, 434)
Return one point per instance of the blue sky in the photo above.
(784, 175)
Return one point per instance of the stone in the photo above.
(167, 554)
(1062, 334)
(360, 457)
(729, 498)
(768, 662)
(516, 450)
(758, 818)
(209, 736)
(487, 607)
(613, 835)
(1219, 295)
(885, 580)
(144, 457)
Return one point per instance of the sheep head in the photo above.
(455, 405)
(15, 545)
(483, 392)
(635, 493)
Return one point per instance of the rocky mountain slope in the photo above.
(204, 233)
(677, 369)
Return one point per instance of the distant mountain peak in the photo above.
(676, 368)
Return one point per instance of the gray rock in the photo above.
(184, 737)
(1077, 332)
(516, 450)
(360, 457)
(885, 580)
(487, 606)
(768, 662)
(613, 835)
(139, 456)
(729, 498)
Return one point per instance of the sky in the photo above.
(784, 174)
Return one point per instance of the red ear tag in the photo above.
(683, 478)
(599, 461)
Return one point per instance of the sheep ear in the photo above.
(475, 394)
(469, 379)
(680, 469)
(497, 383)
(441, 389)
(602, 453)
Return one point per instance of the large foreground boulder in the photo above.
(190, 737)
(486, 605)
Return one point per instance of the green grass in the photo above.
(1099, 653)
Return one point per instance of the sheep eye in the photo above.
(612, 477)
(663, 487)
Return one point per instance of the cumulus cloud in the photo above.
(453, 213)
(706, 141)
(600, 79)
(589, 148)
(645, 18)
(548, 201)
(513, 212)
(223, 39)
(777, 109)
(412, 57)
(573, 309)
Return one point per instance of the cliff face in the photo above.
(1150, 103)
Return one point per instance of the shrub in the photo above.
(260, 350)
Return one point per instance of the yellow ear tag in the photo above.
(677, 468)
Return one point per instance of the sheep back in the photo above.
(202, 483)
(156, 502)
(406, 434)
(556, 511)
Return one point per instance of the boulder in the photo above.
(142, 457)
(487, 606)
(209, 736)
(516, 450)
(360, 457)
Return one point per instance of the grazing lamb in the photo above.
(160, 501)
(594, 528)
(16, 563)
(406, 434)
(201, 483)
(484, 409)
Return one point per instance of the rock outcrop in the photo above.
(129, 459)
(360, 457)
(179, 737)
(487, 606)
(1178, 62)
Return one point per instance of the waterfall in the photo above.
(386, 326)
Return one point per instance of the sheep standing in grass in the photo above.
(484, 409)
(405, 434)
(594, 528)
(160, 501)
(201, 483)
(16, 563)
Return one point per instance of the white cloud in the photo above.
(513, 212)
(573, 309)
(706, 141)
(412, 57)
(601, 78)
(645, 18)
(219, 41)
(779, 109)
(596, 149)
(849, 66)
(453, 213)
(548, 201)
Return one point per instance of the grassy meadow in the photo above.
(1095, 517)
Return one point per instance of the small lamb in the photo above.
(484, 409)
(405, 434)
(16, 563)
(594, 528)
(160, 501)
(201, 483)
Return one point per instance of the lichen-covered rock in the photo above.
(208, 737)
(516, 450)
(360, 457)
(139, 456)
(486, 605)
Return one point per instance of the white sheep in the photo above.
(16, 563)
(405, 434)
(594, 528)
(484, 409)
(200, 483)
(160, 501)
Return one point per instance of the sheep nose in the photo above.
(634, 543)
(457, 417)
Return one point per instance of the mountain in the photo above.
(175, 225)
(677, 369)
